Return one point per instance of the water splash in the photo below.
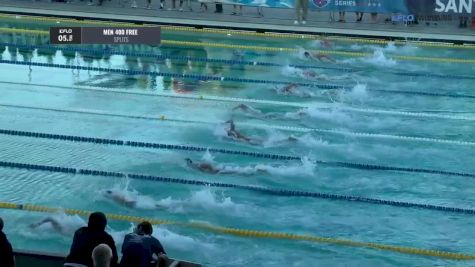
(207, 157)
(306, 168)
(358, 93)
(170, 240)
(379, 59)
(44, 228)
(129, 198)
(329, 114)
(205, 199)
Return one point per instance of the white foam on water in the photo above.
(173, 240)
(289, 71)
(207, 157)
(332, 114)
(358, 93)
(305, 168)
(390, 47)
(168, 239)
(301, 53)
(208, 199)
(221, 130)
(242, 170)
(275, 138)
(310, 141)
(379, 59)
(68, 223)
(403, 49)
(141, 201)
(205, 199)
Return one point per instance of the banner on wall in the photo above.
(368, 6)
(441, 7)
(407, 7)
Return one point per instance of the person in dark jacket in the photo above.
(87, 238)
(139, 247)
(6, 252)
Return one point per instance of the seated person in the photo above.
(89, 237)
(102, 256)
(6, 252)
(139, 248)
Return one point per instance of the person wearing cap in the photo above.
(89, 237)
(6, 251)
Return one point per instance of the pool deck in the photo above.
(275, 19)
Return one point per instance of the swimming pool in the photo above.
(352, 124)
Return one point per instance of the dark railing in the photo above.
(25, 258)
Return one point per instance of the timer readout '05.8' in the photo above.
(65, 35)
(105, 35)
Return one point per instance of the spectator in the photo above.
(359, 16)
(102, 256)
(341, 15)
(87, 238)
(139, 248)
(6, 251)
(219, 7)
(203, 7)
(374, 17)
(301, 6)
(463, 20)
(162, 261)
(260, 11)
(236, 12)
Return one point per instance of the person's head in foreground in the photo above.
(144, 228)
(102, 255)
(97, 221)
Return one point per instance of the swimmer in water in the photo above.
(202, 166)
(255, 112)
(233, 133)
(312, 75)
(121, 198)
(55, 223)
(248, 109)
(210, 168)
(292, 89)
(319, 57)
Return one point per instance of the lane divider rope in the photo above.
(319, 105)
(162, 146)
(166, 74)
(254, 188)
(246, 233)
(111, 51)
(168, 95)
(229, 32)
(225, 79)
(250, 125)
(275, 49)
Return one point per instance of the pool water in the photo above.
(375, 94)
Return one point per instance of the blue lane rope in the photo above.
(260, 189)
(109, 51)
(340, 164)
(231, 79)
(166, 74)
